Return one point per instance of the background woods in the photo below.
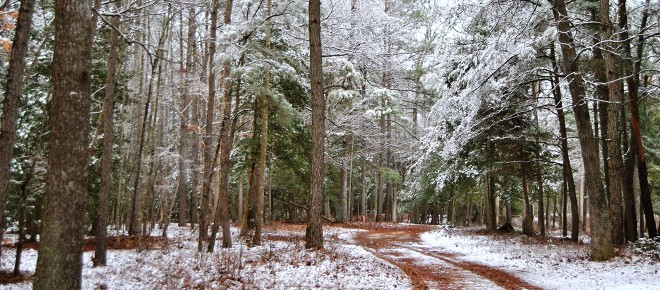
(541, 114)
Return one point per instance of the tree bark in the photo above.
(208, 130)
(566, 162)
(263, 145)
(341, 207)
(636, 145)
(221, 217)
(601, 244)
(59, 265)
(100, 258)
(314, 231)
(630, 215)
(615, 160)
(489, 184)
(527, 214)
(10, 104)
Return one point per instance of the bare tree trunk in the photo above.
(10, 104)
(208, 158)
(539, 175)
(100, 258)
(59, 264)
(363, 194)
(221, 217)
(489, 190)
(263, 144)
(134, 224)
(314, 232)
(185, 111)
(527, 214)
(240, 197)
(341, 207)
(569, 182)
(636, 146)
(601, 233)
(630, 215)
(613, 137)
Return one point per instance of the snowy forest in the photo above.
(169, 144)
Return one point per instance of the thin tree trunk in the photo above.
(100, 258)
(208, 162)
(363, 194)
(240, 197)
(528, 221)
(221, 217)
(342, 204)
(263, 144)
(569, 185)
(134, 224)
(10, 104)
(636, 146)
(630, 215)
(314, 231)
(489, 191)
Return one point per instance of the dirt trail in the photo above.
(433, 268)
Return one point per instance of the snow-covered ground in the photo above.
(281, 263)
(546, 264)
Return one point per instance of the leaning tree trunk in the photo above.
(566, 167)
(10, 104)
(601, 244)
(314, 231)
(59, 265)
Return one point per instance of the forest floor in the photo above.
(356, 256)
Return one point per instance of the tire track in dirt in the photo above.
(433, 268)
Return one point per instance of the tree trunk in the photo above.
(527, 214)
(569, 191)
(363, 194)
(615, 162)
(100, 258)
(341, 207)
(10, 104)
(539, 175)
(59, 265)
(314, 231)
(184, 132)
(489, 184)
(221, 217)
(636, 146)
(630, 215)
(601, 233)
(263, 145)
(136, 202)
(207, 140)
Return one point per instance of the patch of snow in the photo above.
(547, 265)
